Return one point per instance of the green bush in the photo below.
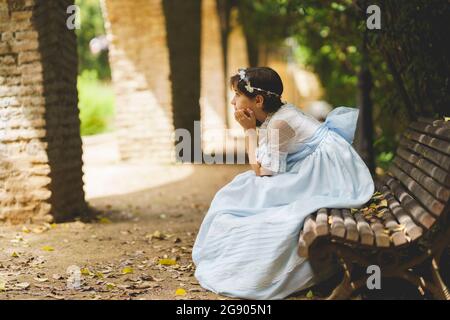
(96, 103)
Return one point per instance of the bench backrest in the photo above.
(421, 169)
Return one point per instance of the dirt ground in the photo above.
(119, 254)
(139, 244)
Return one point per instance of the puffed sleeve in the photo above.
(273, 150)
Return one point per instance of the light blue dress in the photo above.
(247, 244)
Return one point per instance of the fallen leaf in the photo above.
(127, 270)
(123, 286)
(144, 285)
(22, 285)
(158, 279)
(104, 220)
(25, 229)
(55, 296)
(39, 229)
(2, 285)
(85, 272)
(110, 286)
(167, 262)
(158, 235)
(48, 248)
(57, 276)
(41, 279)
(180, 292)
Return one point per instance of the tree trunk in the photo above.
(364, 144)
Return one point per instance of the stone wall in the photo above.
(40, 144)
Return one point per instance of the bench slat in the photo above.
(417, 212)
(433, 122)
(322, 222)
(434, 156)
(411, 229)
(434, 171)
(398, 236)
(437, 190)
(441, 132)
(350, 225)
(434, 206)
(366, 235)
(309, 230)
(302, 247)
(432, 142)
(381, 238)
(337, 223)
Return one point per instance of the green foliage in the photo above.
(408, 57)
(92, 25)
(96, 103)
(384, 159)
(413, 42)
(326, 33)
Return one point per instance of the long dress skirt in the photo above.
(247, 244)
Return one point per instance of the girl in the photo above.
(247, 244)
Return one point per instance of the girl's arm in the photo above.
(251, 141)
(248, 122)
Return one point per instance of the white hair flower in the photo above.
(248, 86)
(241, 74)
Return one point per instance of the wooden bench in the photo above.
(404, 229)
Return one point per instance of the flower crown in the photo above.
(248, 86)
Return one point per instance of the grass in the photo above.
(96, 103)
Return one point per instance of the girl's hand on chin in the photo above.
(245, 118)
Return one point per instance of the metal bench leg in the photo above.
(345, 289)
(444, 294)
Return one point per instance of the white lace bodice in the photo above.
(282, 133)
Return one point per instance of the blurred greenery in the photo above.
(96, 103)
(96, 97)
(408, 57)
(91, 26)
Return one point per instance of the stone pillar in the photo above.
(237, 58)
(40, 143)
(139, 60)
(183, 28)
(213, 83)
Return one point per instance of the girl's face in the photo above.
(242, 102)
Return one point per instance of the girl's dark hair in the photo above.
(264, 78)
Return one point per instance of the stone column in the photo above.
(237, 58)
(213, 83)
(139, 60)
(40, 143)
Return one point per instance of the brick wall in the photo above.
(40, 144)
